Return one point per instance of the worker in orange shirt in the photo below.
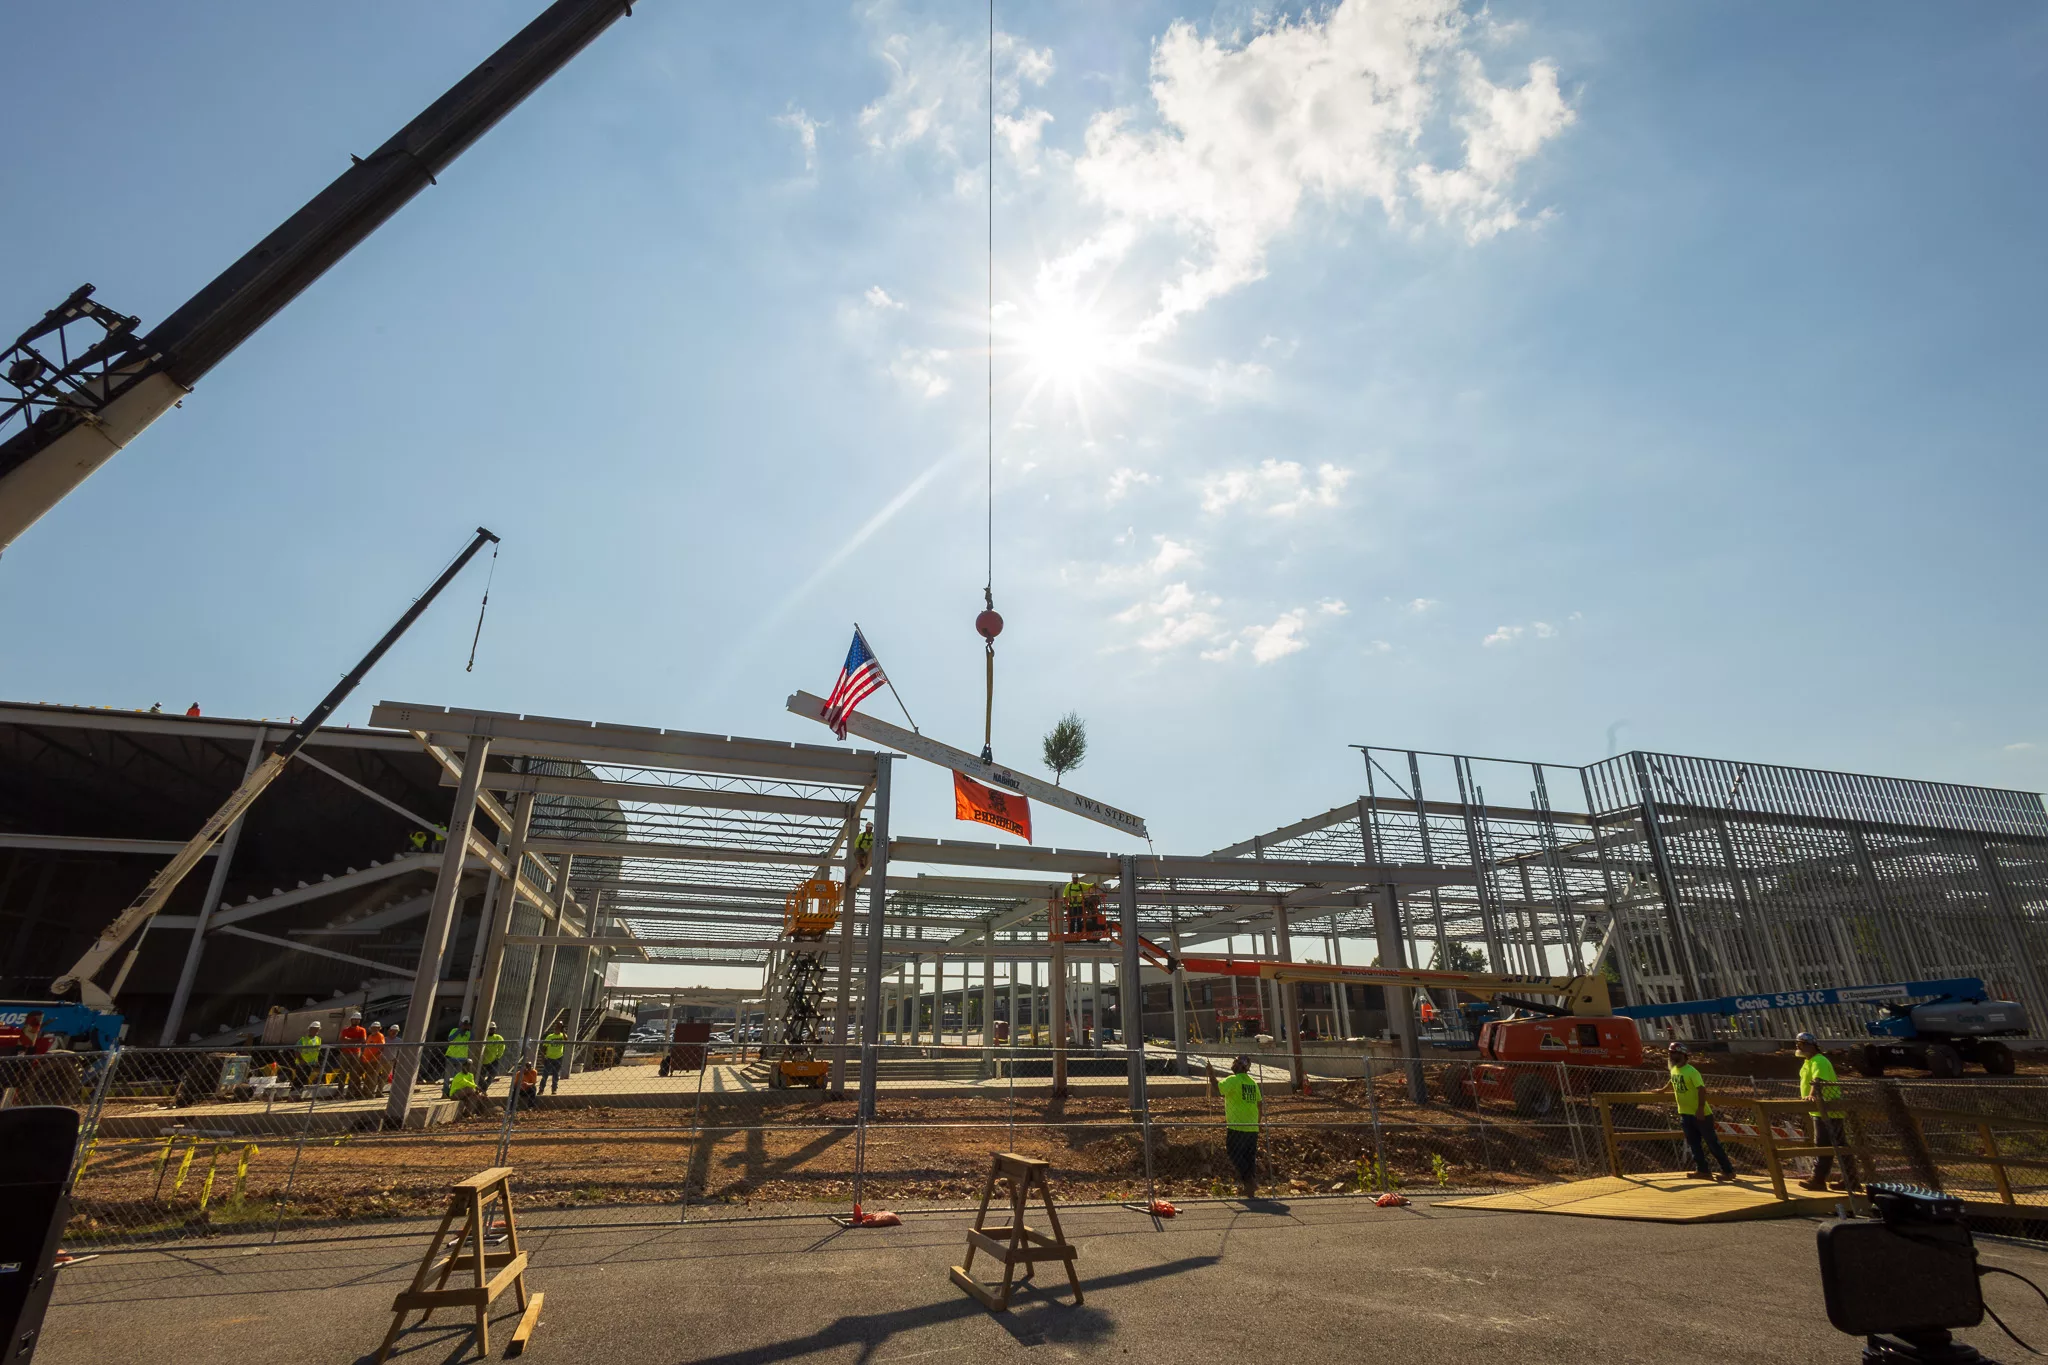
(373, 1058)
(353, 1075)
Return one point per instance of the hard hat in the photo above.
(376, 1023)
(314, 1025)
(1674, 1046)
(1807, 1038)
(1242, 1061)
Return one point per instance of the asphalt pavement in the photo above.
(1323, 1281)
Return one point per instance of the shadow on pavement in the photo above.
(1042, 1315)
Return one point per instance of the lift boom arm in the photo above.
(1581, 995)
(129, 923)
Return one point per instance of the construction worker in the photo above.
(193, 709)
(552, 1046)
(1695, 1115)
(1817, 1082)
(353, 1036)
(419, 841)
(494, 1048)
(1075, 894)
(309, 1055)
(373, 1057)
(529, 1084)
(1240, 1094)
(458, 1046)
(462, 1089)
(864, 846)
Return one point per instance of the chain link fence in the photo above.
(283, 1142)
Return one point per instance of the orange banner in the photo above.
(987, 806)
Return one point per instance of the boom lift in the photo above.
(84, 384)
(1934, 1025)
(1579, 1027)
(131, 922)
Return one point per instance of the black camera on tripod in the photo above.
(1905, 1281)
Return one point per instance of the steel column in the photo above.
(223, 855)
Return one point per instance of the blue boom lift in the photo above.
(1936, 1026)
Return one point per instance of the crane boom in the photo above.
(75, 404)
(129, 923)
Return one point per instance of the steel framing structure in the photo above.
(1698, 878)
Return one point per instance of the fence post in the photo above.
(1372, 1101)
(1606, 1104)
(1564, 1095)
(505, 1124)
(88, 1132)
(291, 1178)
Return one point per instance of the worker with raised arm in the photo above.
(1696, 1115)
(1818, 1083)
(1240, 1095)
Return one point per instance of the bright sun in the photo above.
(1065, 344)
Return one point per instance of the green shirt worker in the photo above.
(552, 1046)
(1817, 1082)
(1695, 1115)
(1240, 1094)
(462, 1089)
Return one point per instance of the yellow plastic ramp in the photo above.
(1655, 1199)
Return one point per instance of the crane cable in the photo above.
(482, 607)
(989, 623)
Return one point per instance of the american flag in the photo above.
(861, 676)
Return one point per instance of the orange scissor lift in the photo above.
(809, 912)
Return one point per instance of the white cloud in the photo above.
(938, 92)
(1278, 640)
(1333, 606)
(2021, 747)
(1122, 481)
(1278, 488)
(1535, 630)
(1177, 616)
(1378, 647)
(1349, 105)
(878, 297)
(1423, 605)
(1172, 555)
(918, 368)
(806, 129)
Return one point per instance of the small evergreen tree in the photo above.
(1066, 745)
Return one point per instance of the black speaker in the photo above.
(36, 1145)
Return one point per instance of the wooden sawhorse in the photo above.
(1016, 1244)
(470, 1200)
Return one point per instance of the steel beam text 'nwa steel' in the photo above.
(959, 760)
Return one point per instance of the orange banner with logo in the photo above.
(986, 806)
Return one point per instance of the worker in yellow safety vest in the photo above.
(1818, 1083)
(864, 846)
(552, 1045)
(1240, 1095)
(1075, 894)
(462, 1089)
(494, 1048)
(458, 1047)
(1696, 1115)
(309, 1054)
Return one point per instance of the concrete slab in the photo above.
(1225, 1284)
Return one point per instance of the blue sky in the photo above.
(1390, 373)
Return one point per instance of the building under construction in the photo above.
(1681, 878)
